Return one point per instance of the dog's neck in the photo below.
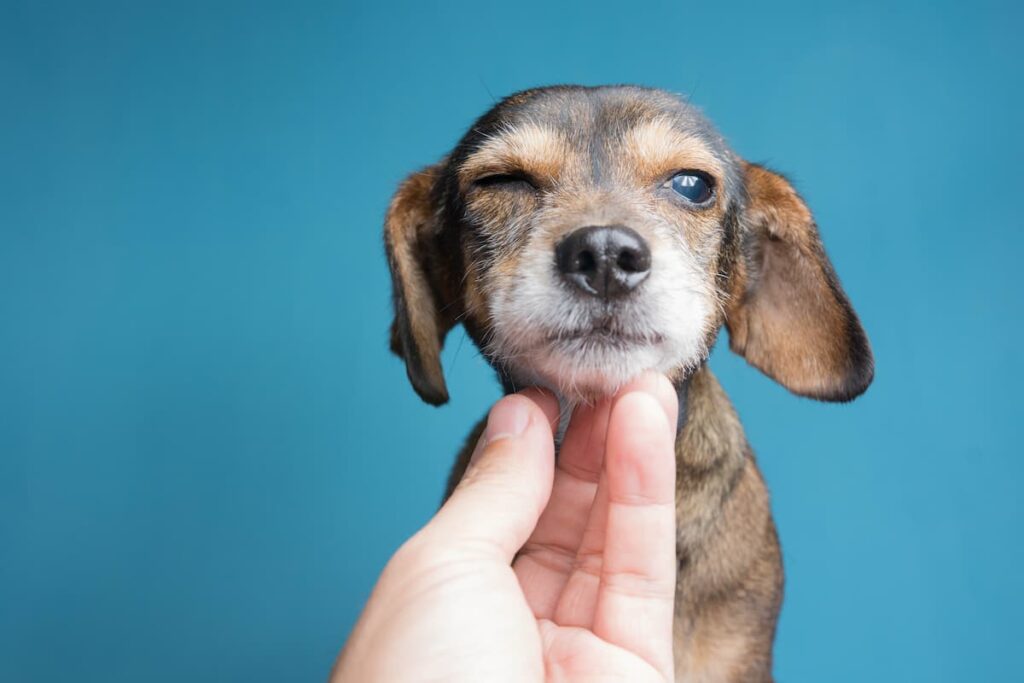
(566, 407)
(711, 448)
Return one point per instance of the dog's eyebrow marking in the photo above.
(657, 146)
(538, 150)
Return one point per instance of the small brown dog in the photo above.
(584, 235)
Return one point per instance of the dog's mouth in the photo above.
(605, 335)
(605, 330)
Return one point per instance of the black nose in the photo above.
(608, 261)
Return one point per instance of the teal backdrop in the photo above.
(207, 453)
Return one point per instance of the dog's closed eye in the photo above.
(512, 180)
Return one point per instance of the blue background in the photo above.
(206, 452)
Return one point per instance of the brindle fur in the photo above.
(777, 294)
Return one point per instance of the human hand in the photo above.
(535, 570)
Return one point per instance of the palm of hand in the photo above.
(597, 572)
(489, 592)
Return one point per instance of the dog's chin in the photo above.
(586, 367)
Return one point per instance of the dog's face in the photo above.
(584, 235)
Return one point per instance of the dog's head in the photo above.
(584, 235)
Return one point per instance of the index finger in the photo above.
(636, 597)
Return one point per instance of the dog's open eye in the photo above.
(692, 186)
(510, 181)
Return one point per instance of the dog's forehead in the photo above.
(601, 110)
(560, 121)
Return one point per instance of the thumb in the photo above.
(507, 485)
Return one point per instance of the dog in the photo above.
(583, 235)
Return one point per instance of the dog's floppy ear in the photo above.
(787, 314)
(422, 318)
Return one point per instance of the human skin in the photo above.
(537, 570)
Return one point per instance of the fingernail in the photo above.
(508, 418)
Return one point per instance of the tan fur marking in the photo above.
(527, 147)
(657, 147)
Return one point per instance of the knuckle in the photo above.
(589, 562)
(639, 584)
